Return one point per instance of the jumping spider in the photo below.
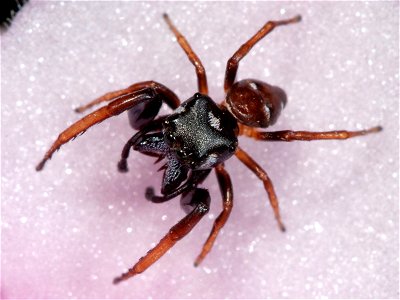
(198, 136)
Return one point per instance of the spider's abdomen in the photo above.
(200, 134)
(255, 103)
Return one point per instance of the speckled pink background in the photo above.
(67, 231)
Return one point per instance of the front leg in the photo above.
(199, 199)
(170, 98)
(142, 96)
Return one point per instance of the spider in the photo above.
(198, 136)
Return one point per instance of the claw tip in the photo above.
(122, 166)
(149, 194)
(40, 166)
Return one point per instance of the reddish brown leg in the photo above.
(225, 185)
(200, 71)
(200, 200)
(289, 136)
(233, 62)
(256, 169)
(125, 101)
(170, 98)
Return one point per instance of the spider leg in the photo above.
(168, 96)
(199, 199)
(225, 185)
(233, 63)
(140, 114)
(289, 135)
(256, 169)
(143, 97)
(194, 59)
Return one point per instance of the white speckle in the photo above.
(217, 64)
(207, 270)
(282, 11)
(23, 220)
(214, 121)
(129, 230)
(382, 236)
(179, 110)
(370, 229)
(210, 161)
(164, 217)
(124, 42)
(110, 206)
(263, 282)
(251, 247)
(140, 49)
(253, 86)
(318, 228)
(32, 78)
(93, 277)
(68, 171)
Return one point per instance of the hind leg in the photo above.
(199, 199)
